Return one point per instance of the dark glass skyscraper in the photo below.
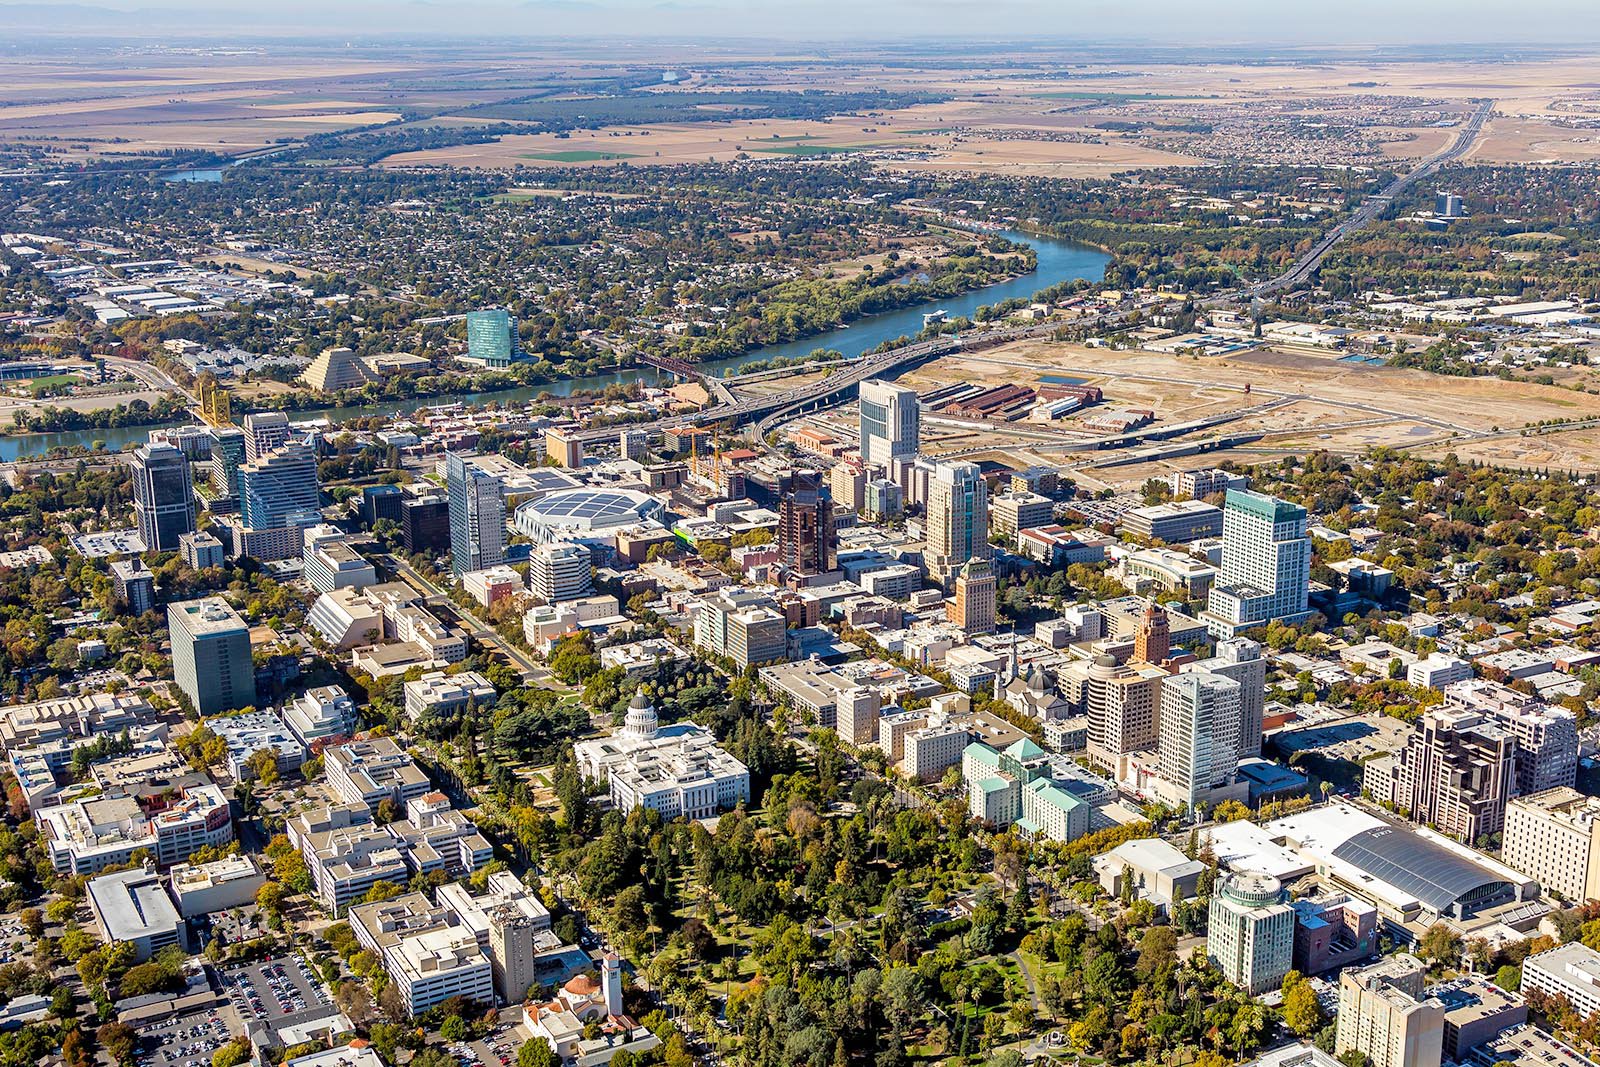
(163, 499)
(807, 539)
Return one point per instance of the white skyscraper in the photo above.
(477, 516)
(890, 421)
(1199, 737)
(1240, 659)
(560, 571)
(1250, 934)
(1266, 564)
(958, 518)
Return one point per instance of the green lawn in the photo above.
(53, 381)
(579, 155)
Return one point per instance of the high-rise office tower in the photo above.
(477, 516)
(1240, 658)
(263, 432)
(1250, 932)
(211, 655)
(280, 489)
(1152, 641)
(1266, 564)
(890, 421)
(228, 445)
(279, 498)
(807, 539)
(973, 606)
(1199, 733)
(560, 571)
(958, 518)
(163, 499)
(492, 338)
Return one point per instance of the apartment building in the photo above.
(1546, 736)
(1384, 1014)
(1456, 773)
(1554, 837)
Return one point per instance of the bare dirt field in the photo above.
(1063, 117)
(1297, 403)
(10, 405)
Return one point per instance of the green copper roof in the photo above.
(1262, 506)
(981, 752)
(1023, 750)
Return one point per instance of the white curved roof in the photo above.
(572, 513)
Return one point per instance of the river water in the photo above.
(1058, 261)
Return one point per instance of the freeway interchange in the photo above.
(768, 412)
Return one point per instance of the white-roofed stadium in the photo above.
(585, 514)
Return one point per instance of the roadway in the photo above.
(480, 632)
(1306, 265)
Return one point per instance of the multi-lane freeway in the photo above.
(769, 411)
(1307, 264)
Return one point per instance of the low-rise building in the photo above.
(492, 584)
(646, 660)
(440, 694)
(170, 820)
(374, 770)
(132, 908)
(321, 715)
(1571, 971)
(254, 732)
(205, 888)
(1174, 523)
(1156, 871)
(677, 770)
(506, 919)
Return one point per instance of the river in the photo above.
(1058, 261)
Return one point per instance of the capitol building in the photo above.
(677, 769)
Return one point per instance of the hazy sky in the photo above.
(1313, 22)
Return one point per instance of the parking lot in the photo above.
(187, 1041)
(273, 988)
(499, 1049)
